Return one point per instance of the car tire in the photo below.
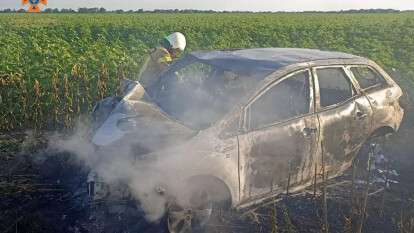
(203, 207)
(376, 143)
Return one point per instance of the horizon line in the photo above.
(218, 11)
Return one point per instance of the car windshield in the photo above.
(198, 94)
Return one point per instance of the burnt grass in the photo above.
(42, 191)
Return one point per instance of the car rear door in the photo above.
(344, 116)
(382, 95)
(282, 131)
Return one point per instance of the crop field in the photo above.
(54, 67)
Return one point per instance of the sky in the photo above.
(245, 5)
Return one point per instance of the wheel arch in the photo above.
(382, 131)
(222, 190)
(374, 136)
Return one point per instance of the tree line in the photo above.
(103, 10)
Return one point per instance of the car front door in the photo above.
(344, 115)
(281, 133)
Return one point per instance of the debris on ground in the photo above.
(45, 192)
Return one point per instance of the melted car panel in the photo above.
(260, 136)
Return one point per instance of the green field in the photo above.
(53, 67)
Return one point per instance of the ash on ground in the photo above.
(46, 192)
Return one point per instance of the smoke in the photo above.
(123, 173)
(152, 163)
(141, 151)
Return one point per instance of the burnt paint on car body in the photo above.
(343, 135)
(256, 164)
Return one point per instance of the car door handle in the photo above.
(309, 131)
(361, 115)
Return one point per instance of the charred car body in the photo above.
(252, 121)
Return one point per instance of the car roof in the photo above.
(263, 61)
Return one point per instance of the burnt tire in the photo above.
(375, 144)
(207, 201)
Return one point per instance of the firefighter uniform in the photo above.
(155, 64)
(161, 57)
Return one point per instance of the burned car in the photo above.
(241, 126)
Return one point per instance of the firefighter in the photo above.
(161, 57)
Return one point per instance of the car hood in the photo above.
(138, 122)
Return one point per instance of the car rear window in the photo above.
(367, 77)
(334, 86)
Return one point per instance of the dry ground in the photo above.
(43, 192)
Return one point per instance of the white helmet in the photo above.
(177, 41)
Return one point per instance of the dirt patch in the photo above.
(46, 192)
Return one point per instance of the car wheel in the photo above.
(374, 145)
(202, 207)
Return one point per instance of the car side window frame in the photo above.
(374, 87)
(355, 88)
(246, 122)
